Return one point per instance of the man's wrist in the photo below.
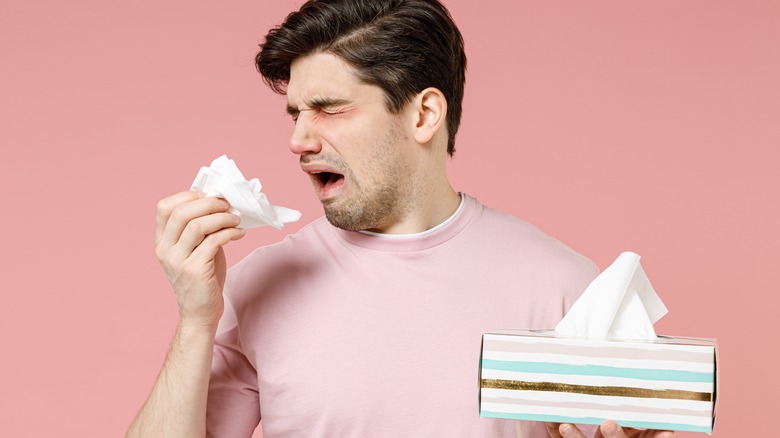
(192, 328)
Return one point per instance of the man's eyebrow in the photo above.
(327, 102)
(319, 103)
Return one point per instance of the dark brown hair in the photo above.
(401, 46)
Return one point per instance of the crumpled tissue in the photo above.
(247, 201)
(619, 304)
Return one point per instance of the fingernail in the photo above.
(611, 430)
(567, 430)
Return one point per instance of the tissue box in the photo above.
(669, 383)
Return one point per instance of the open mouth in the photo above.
(327, 179)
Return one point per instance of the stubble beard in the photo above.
(379, 201)
(365, 211)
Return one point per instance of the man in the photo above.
(366, 324)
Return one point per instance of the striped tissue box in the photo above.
(669, 383)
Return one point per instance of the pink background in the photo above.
(612, 125)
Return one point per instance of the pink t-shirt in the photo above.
(331, 333)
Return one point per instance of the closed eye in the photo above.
(328, 112)
(332, 112)
(293, 113)
(320, 106)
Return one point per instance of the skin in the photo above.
(393, 164)
(386, 158)
(394, 181)
(609, 429)
(191, 231)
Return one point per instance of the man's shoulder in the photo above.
(311, 234)
(295, 251)
(513, 238)
(491, 219)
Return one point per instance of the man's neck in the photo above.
(428, 198)
(429, 230)
(428, 212)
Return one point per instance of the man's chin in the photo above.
(343, 223)
(345, 219)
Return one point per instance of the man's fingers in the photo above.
(650, 433)
(183, 213)
(207, 249)
(564, 430)
(197, 229)
(552, 430)
(610, 429)
(165, 208)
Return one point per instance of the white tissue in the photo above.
(620, 303)
(247, 201)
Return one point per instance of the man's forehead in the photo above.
(322, 77)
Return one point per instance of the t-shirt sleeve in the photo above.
(233, 408)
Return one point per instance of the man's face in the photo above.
(354, 150)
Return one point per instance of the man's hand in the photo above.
(608, 429)
(191, 230)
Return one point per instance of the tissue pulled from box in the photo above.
(620, 303)
(247, 201)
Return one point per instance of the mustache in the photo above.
(323, 159)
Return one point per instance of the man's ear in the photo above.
(430, 114)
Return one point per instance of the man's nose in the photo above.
(304, 138)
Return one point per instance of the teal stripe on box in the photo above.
(597, 370)
(593, 420)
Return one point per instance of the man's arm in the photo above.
(177, 404)
(191, 231)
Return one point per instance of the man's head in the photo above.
(401, 46)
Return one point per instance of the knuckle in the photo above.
(193, 227)
(163, 255)
(177, 214)
(159, 252)
(208, 240)
(217, 239)
(164, 206)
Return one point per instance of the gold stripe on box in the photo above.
(616, 391)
